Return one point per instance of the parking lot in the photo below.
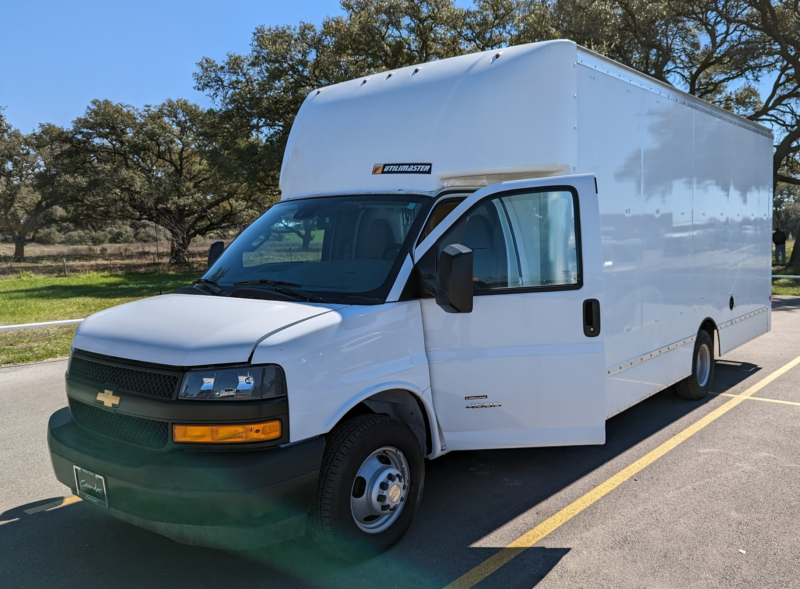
(683, 494)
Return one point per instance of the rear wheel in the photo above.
(697, 385)
(371, 480)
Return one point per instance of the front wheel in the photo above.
(696, 386)
(371, 480)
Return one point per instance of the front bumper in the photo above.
(230, 499)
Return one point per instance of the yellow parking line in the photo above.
(493, 563)
(763, 399)
(53, 505)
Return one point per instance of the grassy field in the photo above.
(30, 298)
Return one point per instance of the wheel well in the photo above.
(401, 405)
(710, 328)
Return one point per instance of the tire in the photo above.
(379, 448)
(696, 386)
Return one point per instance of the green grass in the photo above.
(786, 286)
(30, 299)
(34, 345)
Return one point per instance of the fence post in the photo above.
(65, 265)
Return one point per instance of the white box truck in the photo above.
(499, 250)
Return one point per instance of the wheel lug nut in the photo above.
(384, 508)
(381, 498)
(400, 477)
(384, 486)
(390, 477)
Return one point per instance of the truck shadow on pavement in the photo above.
(468, 495)
(785, 303)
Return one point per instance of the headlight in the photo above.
(235, 383)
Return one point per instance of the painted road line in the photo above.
(762, 399)
(53, 505)
(518, 546)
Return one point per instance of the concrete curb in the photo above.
(46, 324)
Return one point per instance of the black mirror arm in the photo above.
(215, 251)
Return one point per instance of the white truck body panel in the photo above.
(184, 330)
(337, 360)
(685, 210)
(469, 115)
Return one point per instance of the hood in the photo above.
(189, 330)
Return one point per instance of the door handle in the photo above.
(591, 317)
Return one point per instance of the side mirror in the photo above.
(215, 251)
(454, 279)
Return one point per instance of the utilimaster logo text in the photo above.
(402, 168)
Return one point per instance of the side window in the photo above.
(523, 240)
(482, 230)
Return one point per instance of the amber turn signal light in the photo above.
(226, 434)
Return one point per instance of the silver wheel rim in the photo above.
(703, 366)
(379, 490)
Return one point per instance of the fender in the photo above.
(438, 446)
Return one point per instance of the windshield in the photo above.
(338, 249)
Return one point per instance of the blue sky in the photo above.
(56, 56)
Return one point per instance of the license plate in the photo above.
(91, 486)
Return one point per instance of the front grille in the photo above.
(126, 428)
(154, 384)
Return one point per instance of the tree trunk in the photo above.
(308, 234)
(795, 259)
(179, 249)
(19, 248)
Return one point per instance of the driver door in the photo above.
(527, 366)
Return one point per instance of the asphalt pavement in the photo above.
(721, 509)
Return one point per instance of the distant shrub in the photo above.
(146, 235)
(121, 234)
(25, 275)
(48, 236)
(77, 237)
(98, 237)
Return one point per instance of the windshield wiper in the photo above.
(212, 286)
(283, 287)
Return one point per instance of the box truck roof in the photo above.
(466, 121)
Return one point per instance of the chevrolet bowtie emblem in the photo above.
(108, 398)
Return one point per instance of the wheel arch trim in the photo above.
(437, 443)
(710, 326)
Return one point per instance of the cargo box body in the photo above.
(684, 187)
(686, 215)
